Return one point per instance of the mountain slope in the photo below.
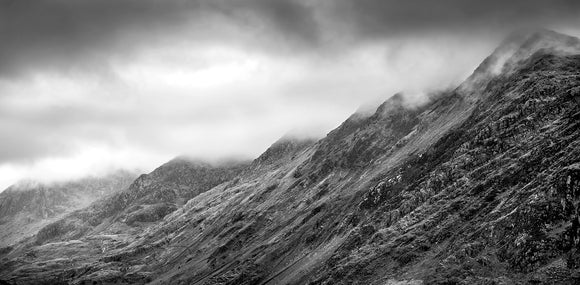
(478, 186)
(317, 216)
(485, 204)
(148, 199)
(28, 206)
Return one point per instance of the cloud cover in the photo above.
(71, 34)
(87, 86)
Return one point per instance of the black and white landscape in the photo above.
(289, 142)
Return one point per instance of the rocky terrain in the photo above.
(478, 186)
(28, 206)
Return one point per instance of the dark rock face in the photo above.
(359, 141)
(479, 186)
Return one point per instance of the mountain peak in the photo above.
(182, 159)
(282, 147)
(515, 49)
(520, 45)
(24, 184)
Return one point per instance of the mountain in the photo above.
(146, 200)
(480, 186)
(28, 205)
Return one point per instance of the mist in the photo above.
(88, 87)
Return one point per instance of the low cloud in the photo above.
(89, 86)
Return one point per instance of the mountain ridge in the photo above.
(479, 185)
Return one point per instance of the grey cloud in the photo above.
(72, 35)
(391, 17)
(283, 19)
(87, 34)
(69, 37)
(76, 34)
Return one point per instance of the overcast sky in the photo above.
(87, 86)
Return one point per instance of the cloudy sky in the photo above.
(87, 86)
